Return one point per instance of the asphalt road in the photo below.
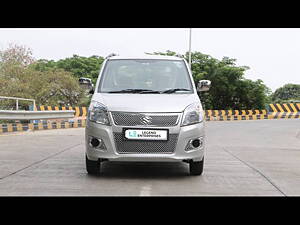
(243, 158)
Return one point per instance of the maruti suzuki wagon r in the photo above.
(145, 109)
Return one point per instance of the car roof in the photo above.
(161, 57)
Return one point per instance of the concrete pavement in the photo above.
(243, 158)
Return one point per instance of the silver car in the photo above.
(145, 109)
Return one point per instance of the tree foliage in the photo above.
(18, 55)
(56, 82)
(287, 93)
(79, 66)
(49, 87)
(229, 90)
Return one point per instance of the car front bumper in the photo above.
(106, 133)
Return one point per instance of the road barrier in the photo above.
(284, 115)
(214, 113)
(276, 111)
(237, 117)
(289, 107)
(82, 111)
(281, 115)
(45, 125)
(79, 111)
(34, 115)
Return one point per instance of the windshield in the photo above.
(145, 76)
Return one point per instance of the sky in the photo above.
(273, 55)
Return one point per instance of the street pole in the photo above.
(190, 53)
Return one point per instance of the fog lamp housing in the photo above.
(96, 143)
(194, 143)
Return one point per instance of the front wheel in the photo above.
(196, 168)
(92, 167)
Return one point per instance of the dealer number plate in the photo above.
(138, 134)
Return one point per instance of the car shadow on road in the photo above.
(144, 170)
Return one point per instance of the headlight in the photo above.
(192, 114)
(98, 113)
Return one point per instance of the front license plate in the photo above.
(144, 134)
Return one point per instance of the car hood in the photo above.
(146, 102)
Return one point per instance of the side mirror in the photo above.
(204, 85)
(86, 83)
(92, 91)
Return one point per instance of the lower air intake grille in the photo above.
(145, 147)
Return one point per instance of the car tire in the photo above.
(196, 168)
(92, 167)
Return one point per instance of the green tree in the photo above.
(167, 53)
(56, 82)
(287, 93)
(79, 66)
(229, 90)
(50, 87)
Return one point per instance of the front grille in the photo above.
(145, 119)
(145, 147)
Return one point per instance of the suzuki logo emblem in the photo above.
(146, 120)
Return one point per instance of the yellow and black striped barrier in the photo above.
(290, 110)
(214, 113)
(237, 117)
(288, 107)
(274, 115)
(45, 125)
(284, 115)
(228, 115)
(276, 111)
(79, 111)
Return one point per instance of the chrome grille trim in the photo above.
(145, 119)
(145, 147)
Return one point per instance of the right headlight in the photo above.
(192, 114)
(98, 113)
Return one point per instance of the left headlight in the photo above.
(192, 114)
(98, 113)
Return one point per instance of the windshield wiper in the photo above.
(173, 90)
(140, 91)
(148, 91)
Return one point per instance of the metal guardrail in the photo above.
(17, 100)
(35, 115)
